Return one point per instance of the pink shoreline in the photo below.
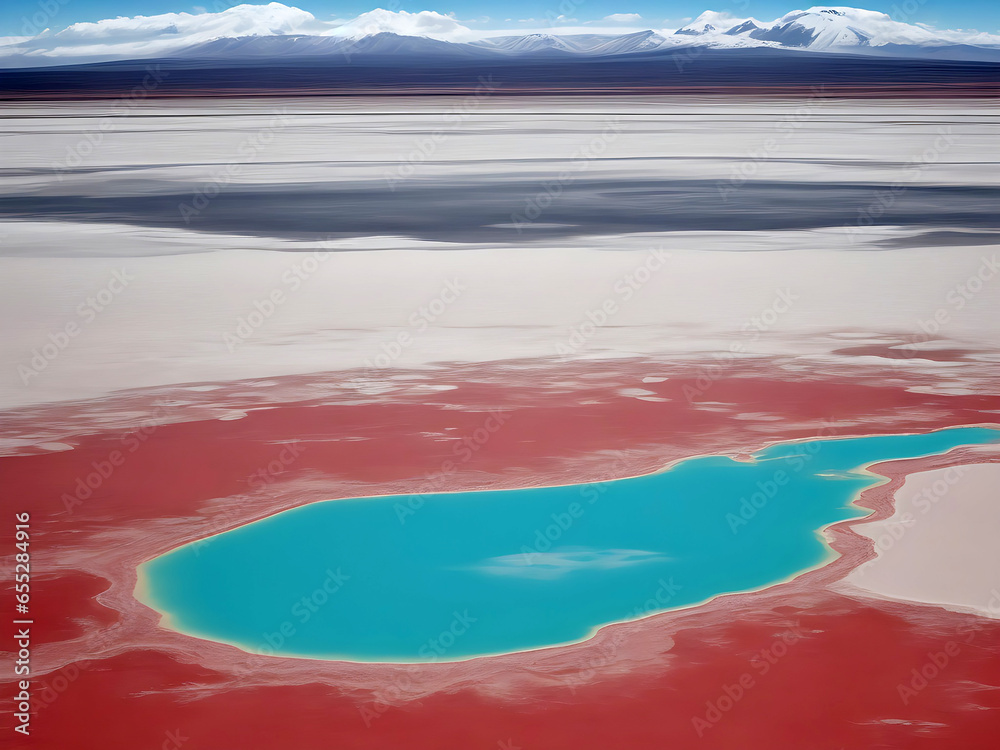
(642, 643)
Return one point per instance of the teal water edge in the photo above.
(446, 577)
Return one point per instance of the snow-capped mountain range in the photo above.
(822, 28)
(279, 31)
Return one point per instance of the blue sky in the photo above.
(949, 14)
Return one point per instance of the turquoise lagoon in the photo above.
(445, 577)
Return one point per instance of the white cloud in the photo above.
(147, 36)
(558, 563)
(240, 20)
(623, 18)
(425, 23)
(720, 20)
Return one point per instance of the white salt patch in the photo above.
(636, 392)
(55, 447)
(939, 546)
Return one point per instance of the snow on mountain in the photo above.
(576, 44)
(710, 23)
(823, 28)
(530, 44)
(641, 41)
